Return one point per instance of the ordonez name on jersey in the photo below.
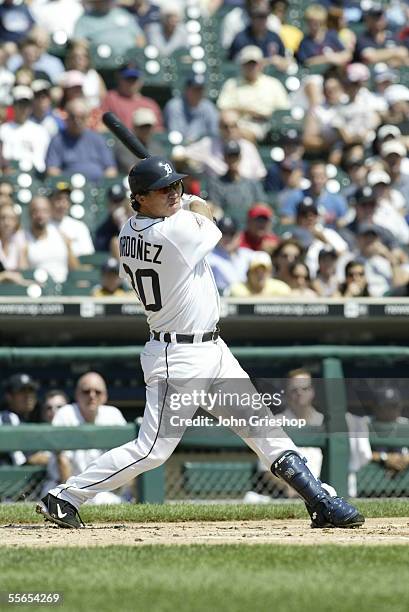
(138, 248)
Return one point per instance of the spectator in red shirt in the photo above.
(126, 98)
(258, 235)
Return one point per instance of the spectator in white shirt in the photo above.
(254, 95)
(22, 139)
(47, 248)
(208, 151)
(89, 408)
(75, 230)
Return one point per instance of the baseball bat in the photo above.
(131, 142)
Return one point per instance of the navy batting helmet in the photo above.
(152, 173)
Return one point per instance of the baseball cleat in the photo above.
(335, 512)
(60, 512)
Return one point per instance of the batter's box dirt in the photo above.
(375, 531)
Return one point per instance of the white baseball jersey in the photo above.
(164, 260)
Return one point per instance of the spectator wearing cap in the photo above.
(258, 234)
(292, 174)
(144, 12)
(46, 247)
(104, 23)
(390, 206)
(78, 57)
(254, 95)
(78, 149)
(362, 114)
(169, 34)
(364, 207)
(280, 174)
(259, 283)
(192, 114)
(126, 98)
(284, 255)
(397, 99)
(332, 205)
(313, 236)
(228, 260)
(355, 283)
(208, 152)
(384, 133)
(377, 43)
(325, 283)
(21, 397)
(320, 45)
(257, 34)
(111, 283)
(42, 112)
(393, 155)
(300, 281)
(233, 193)
(74, 229)
(23, 140)
(144, 126)
(71, 84)
(118, 211)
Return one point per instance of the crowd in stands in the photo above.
(294, 126)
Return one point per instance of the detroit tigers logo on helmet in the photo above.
(167, 167)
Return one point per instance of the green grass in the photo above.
(151, 513)
(234, 578)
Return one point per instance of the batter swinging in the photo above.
(163, 252)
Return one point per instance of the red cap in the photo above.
(260, 210)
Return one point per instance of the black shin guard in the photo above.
(291, 467)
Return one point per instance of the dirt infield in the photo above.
(375, 531)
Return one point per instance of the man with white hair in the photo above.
(170, 34)
(254, 95)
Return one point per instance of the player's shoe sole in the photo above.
(354, 523)
(60, 512)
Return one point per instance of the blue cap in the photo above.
(195, 80)
(130, 72)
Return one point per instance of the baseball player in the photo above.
(163, 250)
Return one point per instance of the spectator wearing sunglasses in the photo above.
(90, 407)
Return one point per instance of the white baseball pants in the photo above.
(205, 362)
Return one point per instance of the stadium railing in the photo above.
(333, 440)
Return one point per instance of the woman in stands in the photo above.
(12, 241)
(78, 58)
